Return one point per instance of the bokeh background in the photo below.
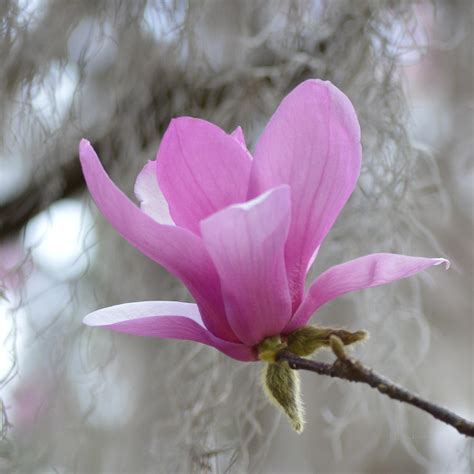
(75, 399)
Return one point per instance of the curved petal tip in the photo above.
(440, 261)
(92, 320)
(83, 144)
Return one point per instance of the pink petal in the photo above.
(178, 250)
(147, 191)
(166, 319)
(312, 143)
(364, 272)
(246, 242)
(238, 134)
(200, 169)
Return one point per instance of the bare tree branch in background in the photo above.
(36, 197)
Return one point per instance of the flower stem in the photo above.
(348, 368)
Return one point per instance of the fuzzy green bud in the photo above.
(282, 387)
(337, 347)
(308, 339)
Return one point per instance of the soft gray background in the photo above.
(87, 401)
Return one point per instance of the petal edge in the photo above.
(363, 272)
(165, 319)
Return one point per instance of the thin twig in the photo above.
(348, 368)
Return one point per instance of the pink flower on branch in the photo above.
(239, 231)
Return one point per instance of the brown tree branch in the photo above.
(348, 368)
(16, 212)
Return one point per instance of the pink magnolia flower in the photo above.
(240, 231)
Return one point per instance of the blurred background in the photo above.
(74, 399)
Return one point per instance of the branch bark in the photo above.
(15, 213)
(348, 368)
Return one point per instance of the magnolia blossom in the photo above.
(241, 230)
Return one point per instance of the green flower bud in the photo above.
(337, 347)
(282, 387)
(308, 339)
